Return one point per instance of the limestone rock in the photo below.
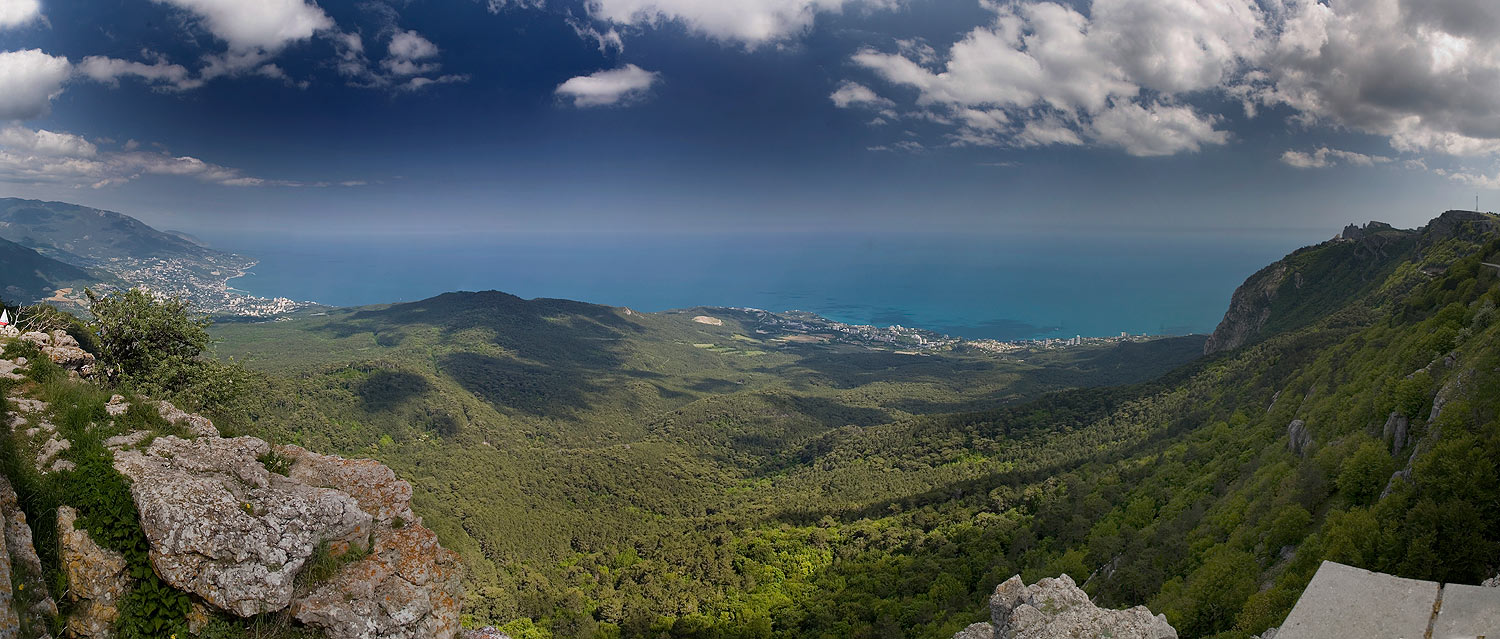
(1298, 438)
(1249, 309)
(1055, 608)
(116, 406)
(487, 632)
(1397, 426)
(9, 331)
(8, 369)
(26, 595)
(224, 528)
(198, 425)
(370, 482)
(63, 350)
(97, 579)
(1270, 633)
(408, 587)
(981, 630)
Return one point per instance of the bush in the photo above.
(148, 341)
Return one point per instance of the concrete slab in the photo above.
(1468, 612)
(1347, 602)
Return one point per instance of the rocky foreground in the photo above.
(233, 522)
(1056, 608)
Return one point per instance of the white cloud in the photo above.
(160, 73)
(14, 13)
(851, 94)
(609, 87)
(1134, 74)
(1476, 180)
(46, 143)
(496, 6)
(1425, 73)
(1324, 157)
(257, 25)
(410, 45)
(29, 80)
(751, 23)
(1043, 73)
(36, 156)
(410, 64)
(606, 39)
(1154, 129)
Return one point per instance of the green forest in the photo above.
(608, 473)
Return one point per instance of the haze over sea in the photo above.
(976, 286)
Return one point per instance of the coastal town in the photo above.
(202, 280)
(802, 326)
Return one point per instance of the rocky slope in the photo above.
(1306, 285)
(243, 527)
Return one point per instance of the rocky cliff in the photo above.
(234, 527)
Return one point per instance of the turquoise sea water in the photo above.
(995, 286)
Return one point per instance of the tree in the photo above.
(1365, 473)
(154, 343)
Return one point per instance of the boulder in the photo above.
(375, 486)
(227, 530)
(198, 425)
(97, 579)
(1055, 608)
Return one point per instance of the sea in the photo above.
(985, 285)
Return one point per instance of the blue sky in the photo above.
(500, 116)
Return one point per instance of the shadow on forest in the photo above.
(540, 391)
(386, 389)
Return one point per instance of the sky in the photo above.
(443, 117)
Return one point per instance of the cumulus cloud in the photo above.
(29, 80)
(852, 94)
(1473, 179)
(14, 13)
(38, 156)
(609, 87)
(751, 23)
(1043, 73)
(1132, 74)
(1324, 157)
(262, 25)
(411, 62)
(159, 73)
(1424, 73)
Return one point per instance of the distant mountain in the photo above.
(27, 276)
(187, 236)
(82, 236)
(1308, 284)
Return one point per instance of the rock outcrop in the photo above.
(1249, 309)
(63, 350)
(1299, 440)
(25, 603)
(407, 586)
(224, 528)
(97, 579)
(1056, 608)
